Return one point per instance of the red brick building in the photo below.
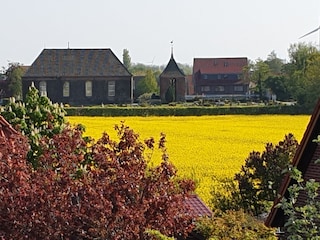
(172, 83)
(220, 77)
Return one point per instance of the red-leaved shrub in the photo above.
(95, 190)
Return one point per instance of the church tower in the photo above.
(172, 82)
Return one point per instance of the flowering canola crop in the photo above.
(206, 146)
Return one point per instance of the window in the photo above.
(66, 89)
(238, 88)
(226, 64)
(219, 88)
(111, 88)
(205, 88)
(205, 76)
(88, 89)
(43, 88)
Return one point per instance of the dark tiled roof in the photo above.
(197, 207)
(172, 69)
(219, 65)
(76, 62)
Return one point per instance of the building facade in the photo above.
(220, 77)
(80, 77)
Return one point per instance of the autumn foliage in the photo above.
(89, 190)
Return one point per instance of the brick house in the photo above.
(307, 153)
(80, 77)
(220, 77)
(172, 83)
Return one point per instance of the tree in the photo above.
(126, 59)
(303, 219)
(278, 86)
(147, 85)
(276, 82)
(258, 72)
(36, 117)
(312, 81)
(186, 68)
(14, 74)
(302, 57)
(260, 177)
(275, 64)
(141, 69)
(104, 190)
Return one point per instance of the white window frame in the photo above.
(88, 89)
(238, 88)
(66, 89)
(219, 88)
(205, 88)
(43, 88)
(111, 88)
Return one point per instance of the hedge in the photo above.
(182, 111)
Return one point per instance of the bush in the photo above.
(261, 176)
(234, 225)
(36, 117)
(105, 191)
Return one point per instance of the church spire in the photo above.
(171, 49)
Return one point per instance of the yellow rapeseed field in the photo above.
(207, 146)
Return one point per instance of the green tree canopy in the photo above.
(258, 72)
(302, 76)
(275, 64)
(14, 74)
(147, 85)
(126, 59)
(260, 177)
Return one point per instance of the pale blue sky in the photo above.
(202, 28)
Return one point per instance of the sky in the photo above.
(198, 29)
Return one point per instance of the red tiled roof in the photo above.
(197, 207)
(219, 65)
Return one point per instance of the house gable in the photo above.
(304, 160)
